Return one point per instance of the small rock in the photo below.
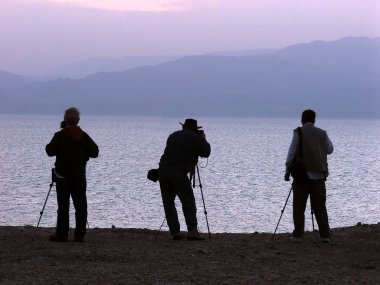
(201, 250)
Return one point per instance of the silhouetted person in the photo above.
(180, 157)
(316, 145)
(72, 148)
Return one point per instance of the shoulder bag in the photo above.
(297, 170)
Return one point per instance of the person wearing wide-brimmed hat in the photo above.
(181, 154)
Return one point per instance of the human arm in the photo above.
(204, 148)
(52, 147)
(291, 154)
(330, 147)
(92, 148)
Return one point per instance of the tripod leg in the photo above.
(312, 218)
(159, 230)
(43, 208)
(282, 212)
(312, 213)
(204, 205)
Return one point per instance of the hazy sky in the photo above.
(38, 35)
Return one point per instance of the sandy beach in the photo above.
(139, 256)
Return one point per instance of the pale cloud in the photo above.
(153, 5)
(181, 5)
(125, 5)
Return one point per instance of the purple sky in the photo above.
(38, 35)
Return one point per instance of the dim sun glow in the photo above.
(126, 5)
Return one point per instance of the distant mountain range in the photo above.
(337, 79)
(84, 68)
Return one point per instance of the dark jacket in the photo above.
(183, 149)
(72, 148)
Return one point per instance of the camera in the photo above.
(63, 125)
(153, 175)
(200, 133)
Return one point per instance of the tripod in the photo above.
(283, 209)
(203, 200)
(204, 205)
(47, 197)
(53, 179)
(312, 218)
(282, 212)
(159, 230)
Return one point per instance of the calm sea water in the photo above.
(243, 182)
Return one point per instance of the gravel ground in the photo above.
(139, 256)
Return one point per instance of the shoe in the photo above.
(58, 238)
(194, 235)
(326, 240)
(78, 239)
(295, 239)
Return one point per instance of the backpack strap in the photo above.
(300, 147)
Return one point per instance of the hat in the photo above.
(191, 124)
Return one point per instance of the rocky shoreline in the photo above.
(139, 256)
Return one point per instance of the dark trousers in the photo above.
(317, 191)
(176, 183)
(77, 190)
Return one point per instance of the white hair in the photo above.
(72, 116)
